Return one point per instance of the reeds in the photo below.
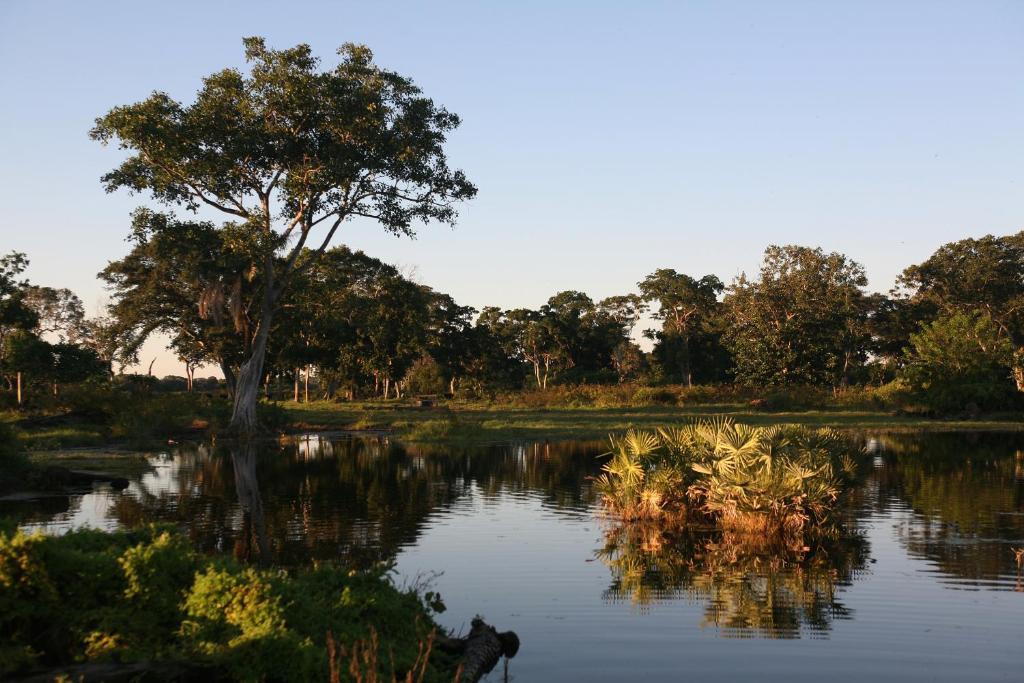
(363, 657)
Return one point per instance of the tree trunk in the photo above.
(305, 398)
(451, 386)
(19, 387)
(229, 378)
(1018, 369)
(247, 389)
(687, 368)
(295, 386)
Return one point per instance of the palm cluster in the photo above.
(763, 479)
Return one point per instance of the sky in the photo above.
(607, 139)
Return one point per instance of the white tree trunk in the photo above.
(247, 388)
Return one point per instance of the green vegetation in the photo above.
(279, 151)
(957, 361)
(592, 413)
(769, 481)
(145, 595)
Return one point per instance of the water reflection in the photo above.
(747, 588)
(953, 500)
(966, 493)
(357, 500)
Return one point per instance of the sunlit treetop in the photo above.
(288, 146)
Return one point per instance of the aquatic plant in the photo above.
(768, 480)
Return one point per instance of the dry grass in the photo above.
(364, 664)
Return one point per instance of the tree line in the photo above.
(952, 327)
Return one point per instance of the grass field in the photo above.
(483, 422)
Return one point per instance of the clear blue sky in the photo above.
(607, 139)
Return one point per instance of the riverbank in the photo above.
(451, 421)
(481, 422)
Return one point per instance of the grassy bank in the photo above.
(90, 597)
(478, 421)
(140, 421)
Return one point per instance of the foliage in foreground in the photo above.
(762, 479)
(90, 596)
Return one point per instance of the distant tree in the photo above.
(585, 334)
(494, 359)
(624, 309)
(283, 150)
(15, 314)
(59, 312)
(802, 322)
(958, 360)
(451, 341)
(525, 336)
(684, 303)
(74, 363)
(186, 279)
(424, 376)
(977, 275)
(891, 319)
(28, 357)
(627, 360)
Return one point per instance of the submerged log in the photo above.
(481, 650)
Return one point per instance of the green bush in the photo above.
(959, 362)
(449, 428)
(767, 480)
(145, 595)
(425, 377)
(648, 396)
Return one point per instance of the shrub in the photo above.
(449, 428)
(146, 596)
(647, 396)
(425, 377)
(957, 362)
(767, 480)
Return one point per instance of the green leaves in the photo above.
(779, 476)
(957, 360)
(803, 322)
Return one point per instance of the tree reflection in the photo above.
(357, 500)
(748, 588)
(967, 496)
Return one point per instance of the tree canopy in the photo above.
(286, 153)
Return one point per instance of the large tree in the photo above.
(984, 275)
(684, 305)
(802, 322)
(289, 152)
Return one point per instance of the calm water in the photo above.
(923, 587)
